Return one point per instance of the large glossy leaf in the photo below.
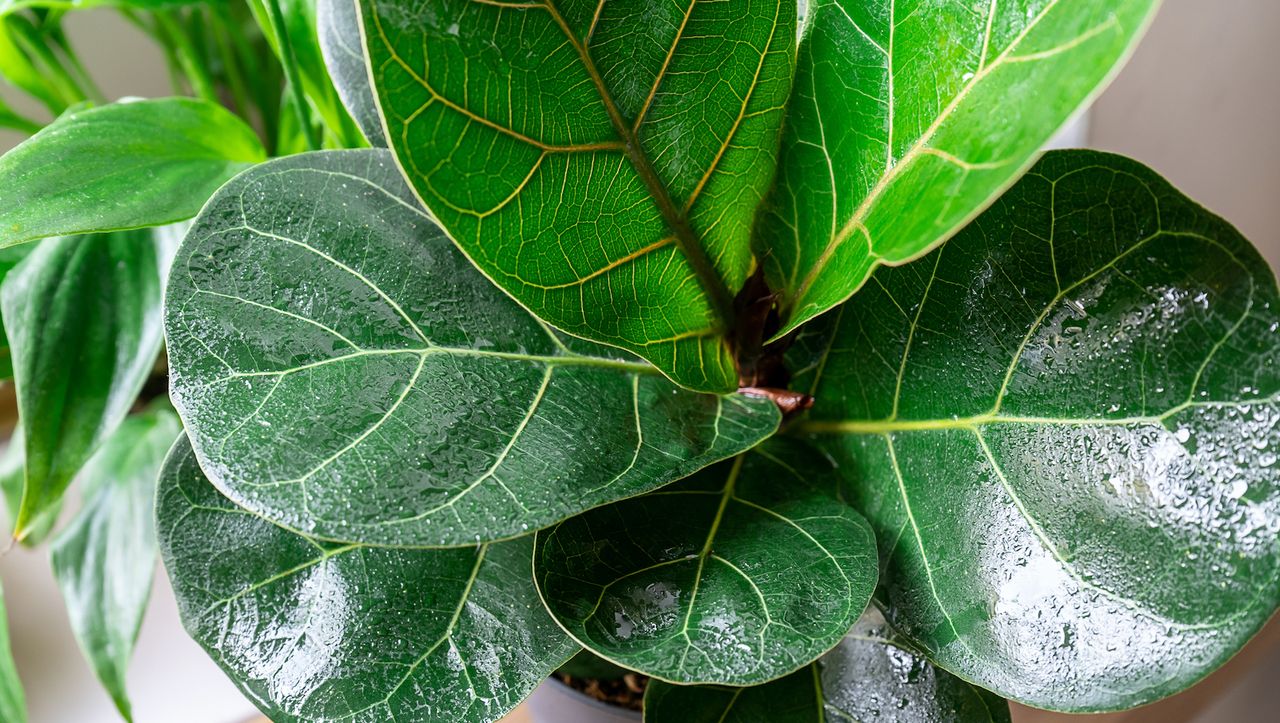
(316, 632)
(119, 166)
(338, 25)
(871, 675)
(104, 560)
(13, 702)
(601, 162)
(1063, 426)
(83, 319)
(344, 371)
(909, 118)
(738, 575)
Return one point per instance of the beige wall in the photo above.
(1200, 102)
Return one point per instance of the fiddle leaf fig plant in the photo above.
(750, 349)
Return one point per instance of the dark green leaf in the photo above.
(13, 703)
(345, 372)
(871, 675)
(1063, 426)
(9, 258)
(105, 558)
(316, 632)
(909, 118)
(83, 318)
(119, 166)
(741, 574)
(338, 23)
(602, 163)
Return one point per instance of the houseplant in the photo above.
(635, 330)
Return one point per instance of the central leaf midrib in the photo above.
(687, 241)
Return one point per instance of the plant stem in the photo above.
(28, 37)
(231, 68)
(76, 67)
(289, 63)
(192, 65)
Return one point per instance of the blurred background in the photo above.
(1198, 102)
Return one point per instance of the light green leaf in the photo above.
(315, 632)
(602, 163)
(13, 702)
(909, 118)
(1063, 426)
(338, 24)
(104, 560)
(743, 573)
(345, 372)
(9, 6)
(871, 675)
(83, 318)
(120, 166)
(301, 26)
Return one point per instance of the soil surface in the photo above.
(625, 692)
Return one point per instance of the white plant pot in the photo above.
(555, 702)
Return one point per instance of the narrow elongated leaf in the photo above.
(871, 675)
(345, 372)
(338, 24)
(9, 258)
(602, 163)
(316, 632)
(909, 118)
(1063, 426)
(104, 560)
(9, 6)
(301, 25)
(83, 318)
(741, 574)
(13, 702)
(120, 166)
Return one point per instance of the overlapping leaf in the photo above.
(870, 675)
(909, 118)
(121, 166)
(344, 371)
(316, 632)
(83, 319)
(338, 26)
(738, 575)
(601, 162)
(1063, 427)
(105, 558)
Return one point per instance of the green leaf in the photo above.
(13, 703)
(602, 163)
(870, 675)
(120, 166)
(1063, 427)
(344, 371)
(338, 24)
(310, 631)
(300, 20)
(9, 258)
(104, 560)
(909, 119)
(83, 318)
(738, 575)
(10, 6)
